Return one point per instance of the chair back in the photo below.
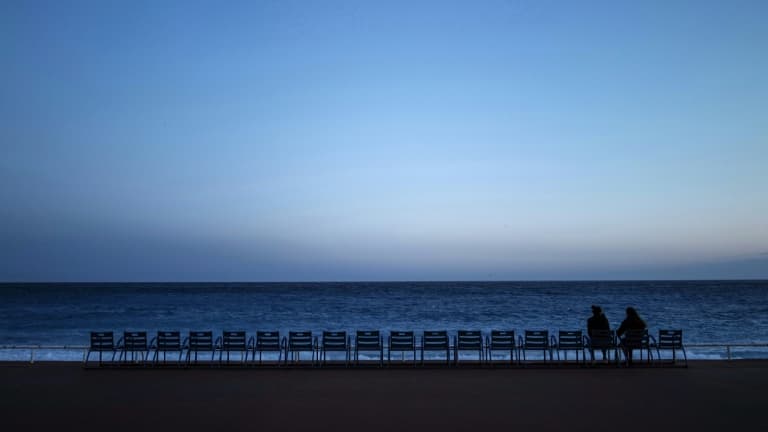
(570, 339)
(300, 341)
(469, 340)
(435, 340)
(168, 341)
(670, 339)
(233, 341)
(200, 341)
(268, 341)
(502, 340)
(368, 340)
(135, 341)
(536, 339)
(635, 339)
(334, 341)
(602, 339)
(402, 341)
(102, 341)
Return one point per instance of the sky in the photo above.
(383, 140)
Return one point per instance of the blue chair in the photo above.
(536, 340)
(299, 342)
(569, 340)
(135, 344)
(502, 340)
(401, 341)
(468, 340)
(199, 342)
(605, 341)
(436, 341)
(235, 341)
(670, 340)
(335, 341)
(636, 340)
(269, 341)
(165, 342)
(101, 342)
(369, 341)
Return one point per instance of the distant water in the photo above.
(64, 314)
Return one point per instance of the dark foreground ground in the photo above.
(708, 396)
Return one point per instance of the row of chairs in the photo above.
(135, 348)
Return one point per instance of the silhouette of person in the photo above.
(631, 322)
(598, 321)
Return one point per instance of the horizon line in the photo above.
(386, 281)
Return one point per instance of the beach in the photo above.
(709, 395)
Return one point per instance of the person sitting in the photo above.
(631, 322)
(598, 321)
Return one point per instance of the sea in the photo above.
(56, 315)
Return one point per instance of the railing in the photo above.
(34, 350)
(726, 346)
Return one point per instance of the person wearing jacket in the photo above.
(631, 322)
(598, 321)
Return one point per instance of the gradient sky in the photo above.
(385, 140)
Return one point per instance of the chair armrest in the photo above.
(652, 340)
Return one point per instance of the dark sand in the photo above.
(708, 396)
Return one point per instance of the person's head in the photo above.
(632, 313)
(596, 310)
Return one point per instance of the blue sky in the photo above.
(383, 140)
